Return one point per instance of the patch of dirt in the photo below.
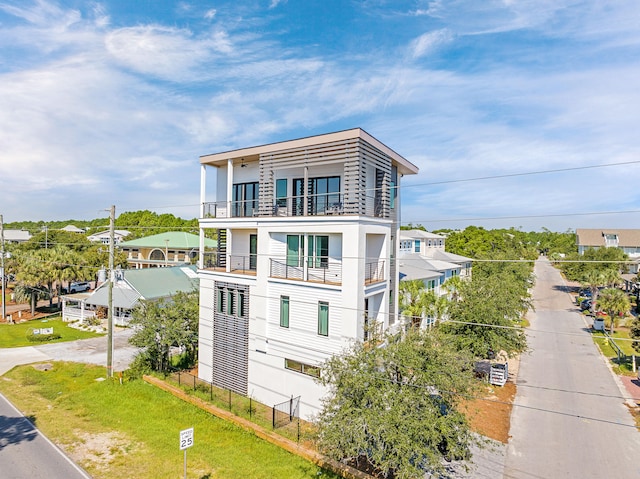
(99, 450)
(490, 414)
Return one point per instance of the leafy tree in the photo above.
(614, 302)
(634, 333)
(163, 324)
(484, 317)
(393, 408)
(577, 267)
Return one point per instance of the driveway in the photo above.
(90, 351)
(569, 417)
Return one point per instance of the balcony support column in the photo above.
(229, 186)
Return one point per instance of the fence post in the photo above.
(273, 417)
(194, 383)
(229, 399)
(250, 407)
(291, 409)
(179, 384)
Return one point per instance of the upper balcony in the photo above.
(309, 205)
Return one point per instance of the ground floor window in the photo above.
(307, 369)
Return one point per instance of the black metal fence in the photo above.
(285, 417)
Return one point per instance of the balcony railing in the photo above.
(309, 205)
(317, 270)
(237, 264)
(374, 272)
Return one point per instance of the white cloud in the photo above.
(430, 41)
(165, 52)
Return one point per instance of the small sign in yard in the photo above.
(43, 331)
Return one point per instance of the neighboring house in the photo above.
(164, 249)
(16, 236)
(628, 240)
(306, 229)
(422, 256)
(129, 288)
(72, 229)
(104, 237)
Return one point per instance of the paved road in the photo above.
(569, 418)
(26, 453)
(91, 351)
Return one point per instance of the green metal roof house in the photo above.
(129, 288)
(165, 249)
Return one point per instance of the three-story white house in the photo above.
(307, 234)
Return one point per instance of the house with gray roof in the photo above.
(165, 249)
(628, 240)
(129, 288)
(422, 256)
(16, 236)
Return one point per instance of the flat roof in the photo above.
(253, 153)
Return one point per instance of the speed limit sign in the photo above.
(186, 438)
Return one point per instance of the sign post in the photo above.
(186, 441)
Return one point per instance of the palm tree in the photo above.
(413, 300)
(614, 302)
(452, 286)
(593, 280)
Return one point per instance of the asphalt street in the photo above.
(26, 453)
(569, 418)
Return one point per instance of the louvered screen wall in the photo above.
(354, 158)
(231, 343)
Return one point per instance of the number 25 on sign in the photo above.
(186, 438)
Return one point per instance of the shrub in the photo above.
(43, 338)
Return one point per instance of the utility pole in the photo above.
(2, 273)
(112, 220)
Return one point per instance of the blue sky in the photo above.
(113, 102)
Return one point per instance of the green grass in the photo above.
(67, 403)
(15, 335)
(625, 367)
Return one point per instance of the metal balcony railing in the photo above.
(317, 270)
(374, 272)
(310, 205)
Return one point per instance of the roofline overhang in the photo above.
(253, 153)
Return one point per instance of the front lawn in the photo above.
(15, 335)
(132, 430)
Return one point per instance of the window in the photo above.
(284, 311)
(323, 318)
(245, 199)
(302, 368)
(281, 193)
(241, 308)
(253, 252)
(295, 250)
(430, 284)
(323, 194)
(220, 300)
(417, 246)
(230, 302)
(318, 251)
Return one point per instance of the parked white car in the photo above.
(79, 287)
(598, 324)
